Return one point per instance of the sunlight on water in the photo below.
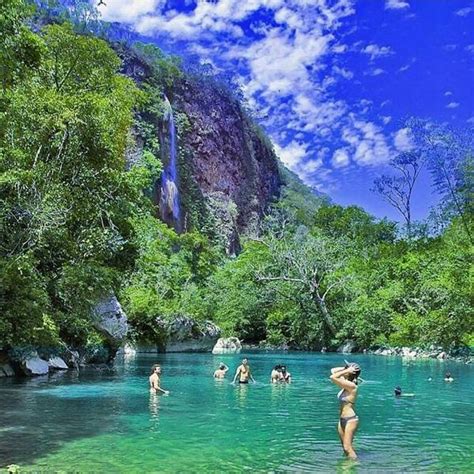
(108, 421)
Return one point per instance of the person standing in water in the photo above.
(155, 382)
(221, 371)
(275, 376)
(285, 375)
(243, 372)
(346, 378)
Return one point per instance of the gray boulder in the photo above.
(6, 370)
(57, 363)
(32, 364)
(348, 347)
(227, 345)
(185, 334)
(111, 321)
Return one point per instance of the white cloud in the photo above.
(376, 72)
(292, 154)
(340, 158)
(465, 11)
(469, 48)
(453, 105)
(368, 142)
(448, 93)
(386, 119)
(403, 140)
(376, 51)
(128, 11)
(396, 4)
(345, 73)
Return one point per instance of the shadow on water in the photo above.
(40, 415)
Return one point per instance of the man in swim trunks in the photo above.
(243, 372)
(155, 381)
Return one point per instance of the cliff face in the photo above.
(227, 170)
(231, 161)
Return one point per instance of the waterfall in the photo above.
(169, 195)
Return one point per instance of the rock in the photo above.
(442, 356)
(129, 350)
(57, 363)
(227, 345)
(32, 365)
(185, 334)
(348, 347)
(111, 321)
(6, 370)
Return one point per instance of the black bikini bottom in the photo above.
(344, 419)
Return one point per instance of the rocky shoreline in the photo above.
(463, 354)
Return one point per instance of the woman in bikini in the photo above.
(346, 378)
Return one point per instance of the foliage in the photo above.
(65, 197)
(77, 219)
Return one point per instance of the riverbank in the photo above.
(462, 354)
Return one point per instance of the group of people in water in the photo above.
(347, 378)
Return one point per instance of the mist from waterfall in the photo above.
(169, 196)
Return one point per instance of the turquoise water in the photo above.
(108, 421)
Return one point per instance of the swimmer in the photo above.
(448, 377)
(243, 372)
(221, 371)
(398, 393)
(155, 381)
(276, 374)
(285, 376)
(347, 378)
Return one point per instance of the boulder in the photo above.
(442, 356)
(227, 345)
(57, 363)
(6, 370)
(185, 334)
(111, 321)
(32, 364)
(348, 347)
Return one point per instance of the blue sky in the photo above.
(332, 81)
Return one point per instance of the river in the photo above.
(108, 421)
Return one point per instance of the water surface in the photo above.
(108, 421)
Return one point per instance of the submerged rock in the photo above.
(227, 345)
(111, 321)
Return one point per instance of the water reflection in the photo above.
(154, 407)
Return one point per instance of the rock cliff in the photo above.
(228, 173)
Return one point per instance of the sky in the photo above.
(331, 81)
